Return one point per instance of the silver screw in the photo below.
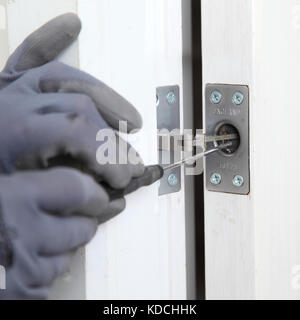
(215, 179)
(238, 181)
(172, 180)
(238, 98)
(157, 100)
(216, 97)
(171, 97)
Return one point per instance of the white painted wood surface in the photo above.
(276, 80)
(253, 242)
(229, 221)
(134, 46)
(138, 47)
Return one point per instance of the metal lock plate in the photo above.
(227, 106)
(168, 117)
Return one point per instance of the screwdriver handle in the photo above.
(150, 176)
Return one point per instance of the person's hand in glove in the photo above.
(48, 109)
(41, 223)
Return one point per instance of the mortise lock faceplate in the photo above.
(168, 118)
(227, 112)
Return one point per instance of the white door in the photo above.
(134, 46)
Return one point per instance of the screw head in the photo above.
(215, 179)
(216, 97)
(238, 181)
(173, 180)
(238, 98)
(171, 98)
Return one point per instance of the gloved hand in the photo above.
(40, 226)
(50, 109)
(42, 47)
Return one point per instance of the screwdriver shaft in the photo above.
(221, 138)
(196, 157)
(202, 140)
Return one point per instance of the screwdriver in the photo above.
(155, 173)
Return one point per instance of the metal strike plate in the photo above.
(168, 117)
(228, 104)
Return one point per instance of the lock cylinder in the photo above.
(224, 129)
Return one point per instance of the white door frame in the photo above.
(253, 242)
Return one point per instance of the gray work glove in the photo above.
(41, 48)
(41, 223)
(49, 110)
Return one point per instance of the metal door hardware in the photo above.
(227, 112)
(168, 117)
